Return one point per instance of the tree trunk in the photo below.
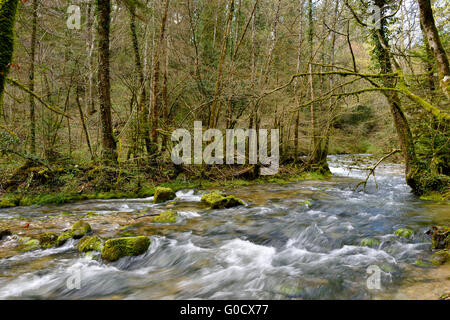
(8, 10)
(156, 70)
(142, 100)
(103, 29)
(31, 79)
(429, 26)
(215, 109)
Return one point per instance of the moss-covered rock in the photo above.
(87, 244)
(27, 244)
(166, 217)
(404, 232)
(440, 237)
(216, 200)
(80, 229)
(369, 242)
(114, 249)
(163, 194)
(48, 240)
(63, 238)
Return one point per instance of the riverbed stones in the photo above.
(217, 200)
(80, 229)
(48, 240)
(163, 194)
(169, 216)
(117, 248)
(93, 243)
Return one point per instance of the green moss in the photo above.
(80, 229)
(369, 242)
(437, 197)
(404, 232)
(216, 200)
(87, 244)
(166, 217)
(48, 240)
(163, 194)
(27, 244)
(63, 238)
(114, 249)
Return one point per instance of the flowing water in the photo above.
(291, 241)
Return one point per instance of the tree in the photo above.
(104, 86)
(31, 80)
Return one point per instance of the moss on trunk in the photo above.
(8, 10)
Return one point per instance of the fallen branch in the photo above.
(372, 171)
(27, 90)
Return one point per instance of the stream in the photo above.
(290, 241)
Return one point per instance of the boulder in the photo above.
(87, 244)
(114, 249)
(163, 194)
(216, 200)
(166, 217)
(80, 229)
(48, 240)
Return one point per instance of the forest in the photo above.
(92, 91)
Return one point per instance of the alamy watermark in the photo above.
(235, 147)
